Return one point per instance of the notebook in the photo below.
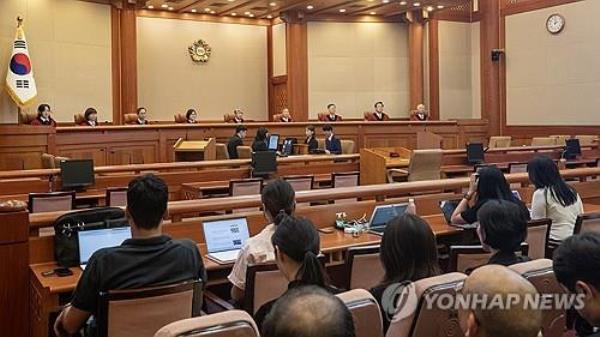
(92, 240)
(225, 238)
(382, 215)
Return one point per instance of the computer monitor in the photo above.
(77, 173)
(273, 142)
(572, 148)
(475, 153)
(264, 163)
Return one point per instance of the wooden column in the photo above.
(415, 57)
(434, 70)
(128, 52)
(115, 33)
(490, 71)
(297, 66)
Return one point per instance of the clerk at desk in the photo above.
(332, 144)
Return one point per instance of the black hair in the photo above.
(503, 225)
(378, 103)
(140, 109)
(543, 173)
(278, 196)
(189, 113)
(88, 112)
(261, 134)
(408, 250)
(308, 311)
(493, 185)
(42, 107)
(311, 128)
(578, 259)
(147, 198)
(300, 241)
(240, 128)
(330, 105)
(327, 127)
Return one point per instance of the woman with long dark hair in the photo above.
(487, 184)
(553, 198)
(261, 140)
(408, 253)
(297, 245)
(277, 197)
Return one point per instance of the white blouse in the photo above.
(563, 218)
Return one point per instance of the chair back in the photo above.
(540, 274)
(78, 118)
(587, 223)
(277, 117)
(368, 116)
(245, 187)
(179, 118)
(425, 165)
(27, 117)
(538, 232)
(464, 259)
(321, 143)
(221, 150)
(51, 202)
(244, 152)
(232, 323)
(300, 183)
(543, 141)
(517, 168)
(229, 118)
(48, 161)
(499, 142)
(347, 146)
(427, 322)
(130, 118)
(365, 312)
(116, 196)
(142, 312)
(264, 283)
(560, 140)
(587, 140)
(345, 179)
(322, 116)
(364, 269)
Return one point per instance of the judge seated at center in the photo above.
(420, 114)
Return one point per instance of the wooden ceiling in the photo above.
(313, 9)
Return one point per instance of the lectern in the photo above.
(195, 150)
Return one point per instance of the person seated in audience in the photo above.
(191, 116)
(238, 116)
(553, 199)
(379, 115)
(333, 116)
(44, 116)
(576, 265)
(309, 311)
(90, 117)
(487, 184)
(408, 253)
(286, 117)
(142, 116)
(148, 259)
(420, 114)
(236, 140)
(484, 319)
(297, 245)
(261, 141)
(332, 144)
(277, 197)
(310, 140)
(502, 229)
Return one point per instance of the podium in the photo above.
(375, 162)
(429, 141)
(195, 150)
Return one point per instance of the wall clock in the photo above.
(555, 23)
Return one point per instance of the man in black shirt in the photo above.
(235, 141)
(149, 258)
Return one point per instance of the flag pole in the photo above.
(19, 109)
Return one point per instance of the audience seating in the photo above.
(516, 168)
(347, 146)
(78, 118)
(142, 312)
(587, 140)
(130, 118)
(221, 150)
(50, 161)
(426, 322)
(301, 183)
(364, 269)
(466, 258)
(51, 202)
(499, 142)
(116, 196)
(423, 165)
(264, 283)
(230, 323)
(245, 187)
(538, 232)
(244, 152)
(540, 274)
(345, 179)
(180, 118)
(365, 312)
(587, 223)
(543, 141)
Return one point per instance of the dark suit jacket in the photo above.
(232, 145)
(334, 146)
(312, 143)
(260, 145)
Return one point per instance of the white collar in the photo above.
(330, 137)
(92, 123)
(141, 121)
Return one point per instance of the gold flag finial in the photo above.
(19, 21)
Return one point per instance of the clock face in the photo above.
(555, 23)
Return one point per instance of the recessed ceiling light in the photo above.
(385, 1)
(207, 9)
(403, 3)
(372, 13)
(440, 6)
(213, 12)
(417, 4)
(171, 8)
(247, 13)
(150, 7)
(231, 0)
(251, 15)
(309, 7)
(272, 4)
(430, 8)
(194, 10)
(164, 6)
(269, 16)
(233, 14)
(342, 10)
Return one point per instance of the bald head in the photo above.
(308, 312)
(494, 281)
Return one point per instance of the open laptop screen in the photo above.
(273, 142)
(383, 214)
(92, 240)
(225, 235)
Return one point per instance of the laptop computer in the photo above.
(273, 142)
(448, 207)
(517, 195)
(92, 240)
(382, 215)
(225, 238)
(475, 153)
(287, 149)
